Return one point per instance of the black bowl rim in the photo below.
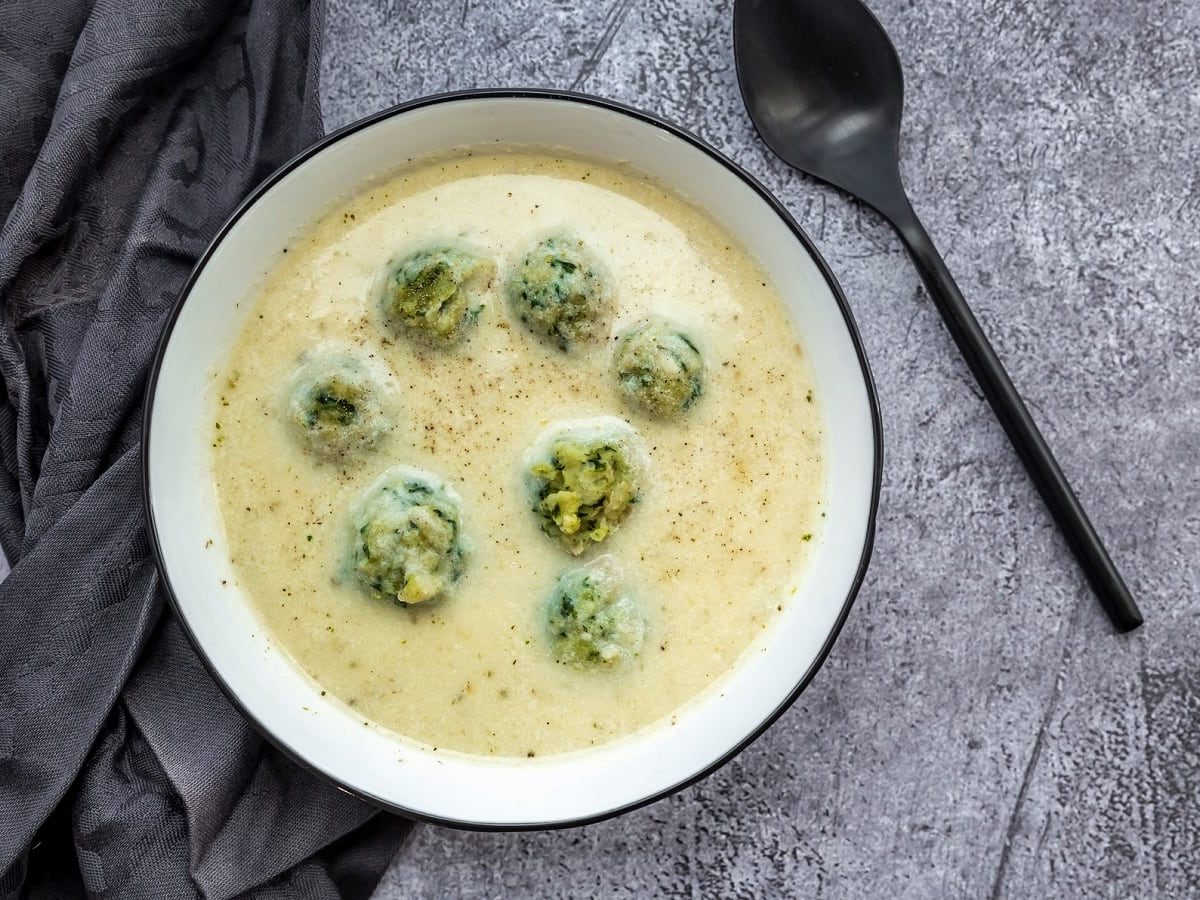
(718, 157)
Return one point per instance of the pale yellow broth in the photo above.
(731, 507)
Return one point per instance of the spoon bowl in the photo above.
(834, 119)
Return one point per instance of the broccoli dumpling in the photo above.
(335, 406)
(407, 545)
(561, 293)
(584, 480)
(658, 368)
(590, 619)
(434, 296)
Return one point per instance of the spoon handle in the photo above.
(989, 372)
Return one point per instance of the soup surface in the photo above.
(732, 494)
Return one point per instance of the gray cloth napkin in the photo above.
(129, 129)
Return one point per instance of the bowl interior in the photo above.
(283, 701)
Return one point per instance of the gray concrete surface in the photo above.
(978, 730)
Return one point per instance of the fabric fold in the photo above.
(133, 129)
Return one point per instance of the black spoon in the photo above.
(822, 82)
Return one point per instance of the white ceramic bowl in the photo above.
(285, 704)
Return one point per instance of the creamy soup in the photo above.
(731, 490)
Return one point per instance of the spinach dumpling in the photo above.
(658, 369)
(584, 479)
(561, 293)
(434, 296)
(407, 544)
(591, 621)
(335, 406)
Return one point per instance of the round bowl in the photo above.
(450, 788)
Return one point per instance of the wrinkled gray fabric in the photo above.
(129, 129)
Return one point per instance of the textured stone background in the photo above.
(978, 730)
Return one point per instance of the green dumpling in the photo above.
(591, 621)
(561, 293)
(658, 369)
(407, 545)
(584, 481)
(335, 406)
(434, 296)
